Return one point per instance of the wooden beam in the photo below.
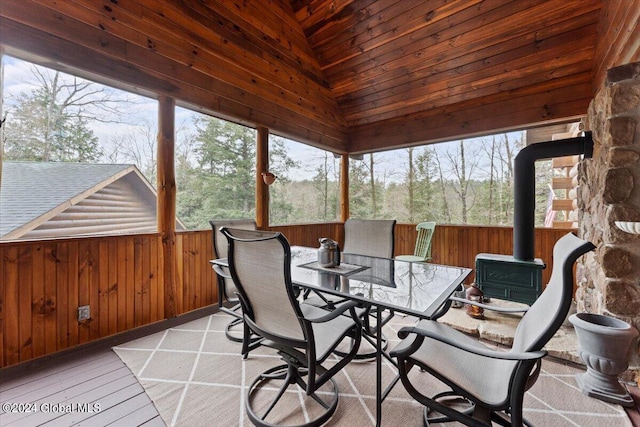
(262, 190)
(344, 187)
(562, 204)
(561, 183)
(167, 200)
(565, 162)
(465, 120)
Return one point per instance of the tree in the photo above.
(325, 185)
(139, 145)
(424, 202)
(50, 122)
(225, 156)
(281, 208)
(359, 194)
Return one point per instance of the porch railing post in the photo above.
(166, 204)
(262, 190)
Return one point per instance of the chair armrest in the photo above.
(338, 311)
(480, 351)
(491, 307)
(220, 272)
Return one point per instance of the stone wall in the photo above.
(609, 191)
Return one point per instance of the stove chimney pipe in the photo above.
(524, 196)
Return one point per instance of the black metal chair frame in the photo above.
(301, 360)
(527, 361)
(227, 303)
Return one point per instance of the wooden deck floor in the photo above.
(93, 388)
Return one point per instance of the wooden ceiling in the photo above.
(344, 75)
(391, 63)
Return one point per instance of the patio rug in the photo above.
(196, 377)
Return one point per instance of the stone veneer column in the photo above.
(609, 191)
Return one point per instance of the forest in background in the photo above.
(58, 117)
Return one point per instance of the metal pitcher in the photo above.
(328, 253)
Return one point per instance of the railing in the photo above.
(42, 283)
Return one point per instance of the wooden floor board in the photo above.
(124, 409)
(94, 390)
(75, 384)
(141, 416)
(41, 382)
(154, 422)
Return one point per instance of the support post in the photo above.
(262, 190)
(344, 187)
(344, 195)
(166, 204)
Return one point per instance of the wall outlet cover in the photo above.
(84, 313)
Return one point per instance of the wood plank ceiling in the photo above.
(344, 75)
(439, 67)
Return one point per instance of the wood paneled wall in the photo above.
(459, 244)
(452, 244)
(309, 234)
(43, 283)
(121, 277)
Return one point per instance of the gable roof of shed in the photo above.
(32, 193)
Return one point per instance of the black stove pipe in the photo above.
(524, 195)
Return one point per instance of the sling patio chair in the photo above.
(492, 381)
(227, 298)
(303, 335)
(371, 238)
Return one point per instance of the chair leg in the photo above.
(228, 330)
(404, 366)
(249, 341)
(369, 334)
(289, 374)
(448, 398)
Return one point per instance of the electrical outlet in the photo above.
(84, 313)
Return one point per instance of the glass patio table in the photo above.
(415, 288)
(382, 284)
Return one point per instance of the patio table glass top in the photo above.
(414, 288)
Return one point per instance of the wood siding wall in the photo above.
(117, 208)
(121, 278)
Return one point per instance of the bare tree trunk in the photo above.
(492, 214)
(326, 186)
(446, 213)
(508, 162)
(374, 205)
(410, 179)
(462, 177)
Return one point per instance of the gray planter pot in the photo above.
(603, 345)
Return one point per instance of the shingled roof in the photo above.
(34, 193)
